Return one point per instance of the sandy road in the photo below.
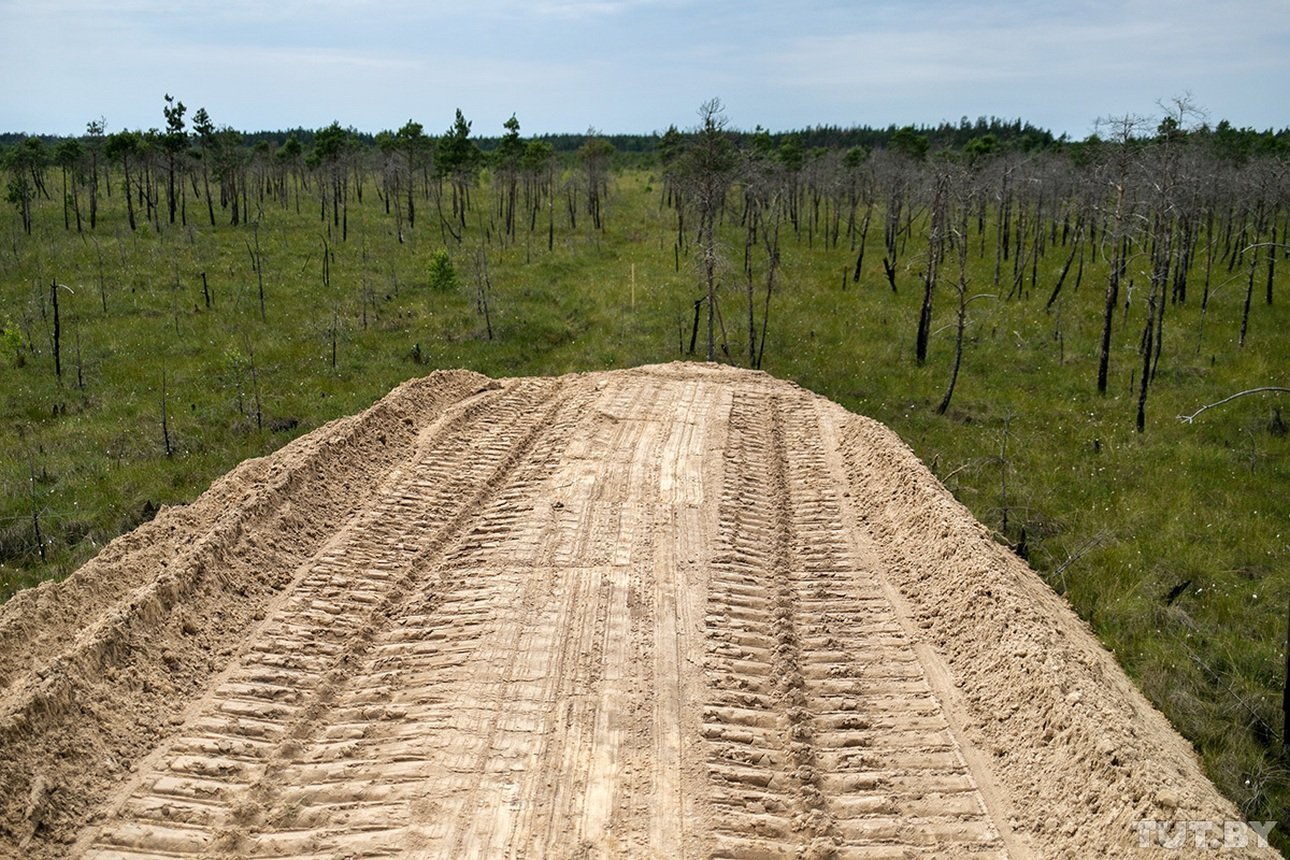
(679, 611)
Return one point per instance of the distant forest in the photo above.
(991, 133)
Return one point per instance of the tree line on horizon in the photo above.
(1013, 133)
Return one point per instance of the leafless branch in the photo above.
(1188, 419)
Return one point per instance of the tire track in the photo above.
(202, 791)
(764, 797)
(114, 654)
(824, 736)
(896, 783)
(357, 788)
(556, 747)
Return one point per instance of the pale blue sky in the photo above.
(637, 65)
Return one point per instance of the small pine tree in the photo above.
(443, 277)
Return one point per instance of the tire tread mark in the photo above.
(824, 737)
(765, 796)
(388, 743)
(308, 644)
(894, 779)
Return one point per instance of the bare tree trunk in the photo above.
(1112, 293)
(1145, 348)
(864, 233)
(94, 189)
(934, 248)
(483, 286)
(1160, 271)
(1076, 247)
(1249, 293)
(694, 331)
(1209, 260)
(129, 198)
(257, 262)
(58, 356)
(1272, 259)
(165, 417)
(961, 322)
(67, 216)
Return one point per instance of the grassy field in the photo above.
(1174, 544)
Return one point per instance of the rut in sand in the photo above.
(678, 611)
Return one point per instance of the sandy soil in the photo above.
(678, 611)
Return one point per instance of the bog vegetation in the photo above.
(1032, 315)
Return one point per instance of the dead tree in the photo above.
(959, 241)
(935, 251)
(707, 167)
(1116, 239)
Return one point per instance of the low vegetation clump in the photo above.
(1031, 315)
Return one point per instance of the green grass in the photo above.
(1115, 520)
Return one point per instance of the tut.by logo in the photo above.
(1212, 835)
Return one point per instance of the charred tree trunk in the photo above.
(1272, 259)
(58, 359)
(864, 234)
(961, 323)
(1249, 294)
(935, 240)
(1119, 250)
(1146, 349)
(1076, 248)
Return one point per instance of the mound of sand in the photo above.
(680, 610)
